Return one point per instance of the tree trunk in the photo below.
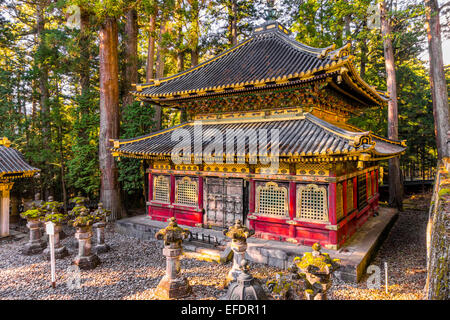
(437, 78)
(130, 75)
(151, 48)
(109, 116)
(160, 68)
(85, 53)
(43, 77)
(232, 20)
(195, 32)
(395, 185)
(364, 52)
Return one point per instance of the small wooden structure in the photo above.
(269, 93)
(12, 167)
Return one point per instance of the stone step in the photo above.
(196, 251)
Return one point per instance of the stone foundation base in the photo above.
(88, 262)
(33, 248)
(101, 248)
(173, 289)
(60, 252)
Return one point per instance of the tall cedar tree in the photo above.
(109, 115)
(438, 82)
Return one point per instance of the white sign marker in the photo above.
(50, 229)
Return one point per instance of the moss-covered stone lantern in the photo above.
(173, 285)
(317, 268)
(83, 224)
(238, 234)
(100, 217)
(58, 219)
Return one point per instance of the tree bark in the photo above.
(84, 52)
(151, 47)
(437, 78)
(395, 184)
(160, 67)
(43, 76)
(232, 20)
(130, 75)
(109, 116)
(195, 32)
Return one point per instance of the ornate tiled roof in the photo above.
(12, 164)
(300, 135)
(266, 60)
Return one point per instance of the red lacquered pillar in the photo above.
(292, 207)
(200, 199)
(332, 202)
(344, 198)
(367, 186)
(150, 193)
(172, 194)
(355, 193)
(251, 206)
(332, 237)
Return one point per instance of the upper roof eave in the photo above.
(324, 60)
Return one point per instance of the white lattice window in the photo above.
(339, 202)
(186, 192)
(161, 189)
(349, 195)
(312, 203)
(271, 200)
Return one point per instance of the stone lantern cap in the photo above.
(173, 235)
(101, 213)
(316, 262)
(238, 232)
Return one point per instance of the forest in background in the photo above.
(51, 57)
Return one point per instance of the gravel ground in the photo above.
(404, 250)
(133, 268)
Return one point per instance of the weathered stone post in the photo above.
(35, 244)
(238, 234)
(316, 268)
(85, 258)
(173, 285)
(100, 216)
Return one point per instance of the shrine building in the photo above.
(268, 98)
(12, 167)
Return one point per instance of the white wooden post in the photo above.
(50, 229)
(4, 208)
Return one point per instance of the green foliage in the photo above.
(56, 218)
(137, 120)
(82, 221)
(33, 214)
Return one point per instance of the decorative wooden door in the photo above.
(223, 200)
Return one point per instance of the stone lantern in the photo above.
(238, 234)
(173, 285)
(57, 219)
(35, 243)
(245, 287)
(316, 268)
(83, 224)
(100, 216)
